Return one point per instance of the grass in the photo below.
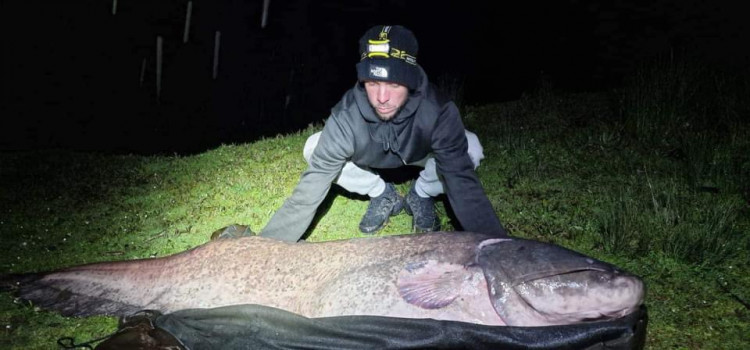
(653, 178)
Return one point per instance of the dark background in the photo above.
(71, 73)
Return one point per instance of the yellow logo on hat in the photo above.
(403, 55)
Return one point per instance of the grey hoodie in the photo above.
(428, 123)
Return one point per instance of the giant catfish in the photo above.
(460, 276)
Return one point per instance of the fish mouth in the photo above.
(580, 296)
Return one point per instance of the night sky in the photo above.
(74, 75)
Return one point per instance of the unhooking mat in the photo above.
(262, 327)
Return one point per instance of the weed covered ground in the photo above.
(669, 202)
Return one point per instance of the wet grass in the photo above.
(666, 198)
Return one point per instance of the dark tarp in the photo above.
(261, 327)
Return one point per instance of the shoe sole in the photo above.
(376, 229)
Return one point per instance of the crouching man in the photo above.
(391, 118)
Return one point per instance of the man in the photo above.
(392, 117)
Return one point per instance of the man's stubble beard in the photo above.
(385, 119)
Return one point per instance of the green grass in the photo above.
(613, 175)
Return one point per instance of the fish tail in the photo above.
(32, 288)
(11, 282)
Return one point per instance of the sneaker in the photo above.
(380, 209)
(422, 210)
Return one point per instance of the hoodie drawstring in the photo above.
(390, 142)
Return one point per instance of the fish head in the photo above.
(538, 284)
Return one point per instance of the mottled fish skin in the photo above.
(430, 275)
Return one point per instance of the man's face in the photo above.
(386, 97)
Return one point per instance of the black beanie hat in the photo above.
(389, 53)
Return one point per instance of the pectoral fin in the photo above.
(430, 284)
